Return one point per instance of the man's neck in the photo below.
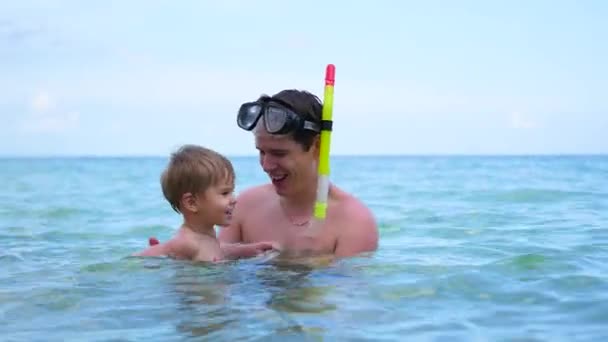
(303, 201)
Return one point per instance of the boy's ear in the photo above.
(189, 202)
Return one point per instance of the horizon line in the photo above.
(338, 155)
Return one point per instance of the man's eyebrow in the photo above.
(274, 150)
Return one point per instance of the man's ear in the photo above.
(317, 144)
(189, 202)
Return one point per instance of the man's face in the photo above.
(291, 169)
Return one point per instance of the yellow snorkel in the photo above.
(326, 128)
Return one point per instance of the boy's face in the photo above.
(215, 205)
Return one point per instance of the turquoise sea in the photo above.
(471, 249)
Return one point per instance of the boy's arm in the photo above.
(196, 251)
(155, 250)
(247, 250)
(205, 255)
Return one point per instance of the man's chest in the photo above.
(272, 226)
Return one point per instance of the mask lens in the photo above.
(248, 115)
(275, 119)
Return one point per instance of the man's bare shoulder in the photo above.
(254, 194)
(354, 209)
(358, 226)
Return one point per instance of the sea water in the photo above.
(471, 249)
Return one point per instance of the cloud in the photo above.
(153, 85)
(41, 102)
(46, 117)
(239, 6)
(18, 34)
(55, 123)
(518, 120)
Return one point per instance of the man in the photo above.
(286, 127)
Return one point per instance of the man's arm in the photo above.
(360, 232)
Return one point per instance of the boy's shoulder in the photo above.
(196, 247)
(182, 246)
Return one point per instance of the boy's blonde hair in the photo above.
(194, 169)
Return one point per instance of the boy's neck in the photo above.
(199, 227)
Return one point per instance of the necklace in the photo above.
(292, 219)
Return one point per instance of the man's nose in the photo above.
(268, 163)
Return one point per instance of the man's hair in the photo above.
(307, 106)
(194, 169)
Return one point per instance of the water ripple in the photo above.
(472, 248)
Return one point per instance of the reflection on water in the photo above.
(202, 298)
(291, 288)
(272, 296)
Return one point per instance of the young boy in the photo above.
(199, 184)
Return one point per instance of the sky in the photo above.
(412, 77)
